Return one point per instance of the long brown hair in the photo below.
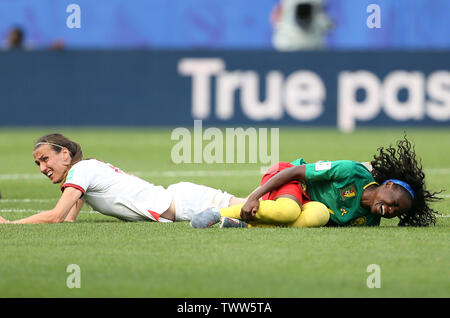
(57, 141)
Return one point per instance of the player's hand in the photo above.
(3, 221)
(248, 211)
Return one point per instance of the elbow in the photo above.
(56, 217)
(298, 173)
(69, 219)
(59, 220)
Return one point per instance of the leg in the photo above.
(236, 223)
(314, 214)
(190, 198)
(235, 201)
(282, 210)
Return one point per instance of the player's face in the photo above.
(391, 201)
(51, 163)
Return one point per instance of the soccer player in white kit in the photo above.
(111, 191)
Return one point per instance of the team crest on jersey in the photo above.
(359, 221)
(348, 192)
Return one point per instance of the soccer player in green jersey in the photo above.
(339, 193)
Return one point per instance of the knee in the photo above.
(288, 210)
(314, 214)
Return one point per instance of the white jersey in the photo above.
(113, 192)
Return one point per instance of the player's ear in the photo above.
(388, 184)
(66, 154)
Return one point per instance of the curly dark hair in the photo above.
(401, 163)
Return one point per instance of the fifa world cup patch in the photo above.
(348, 192)
(323, 165)
(70, 175)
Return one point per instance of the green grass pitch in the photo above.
(145, 259)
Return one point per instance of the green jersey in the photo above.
(339, 185)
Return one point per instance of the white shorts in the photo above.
(191, 198)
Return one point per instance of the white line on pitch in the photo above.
(28, 200)
(18, 211)
(168, 173)
(34, 211)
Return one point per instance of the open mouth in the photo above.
(381, 209)
(50, 174)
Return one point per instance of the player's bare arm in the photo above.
(59, 213)
(74, 211)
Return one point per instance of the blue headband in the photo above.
(403, 184)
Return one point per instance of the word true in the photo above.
(374, 279)
(215, 151)
(301, 94)
(74, 279)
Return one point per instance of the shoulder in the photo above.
(338, 166)
(298, 162)
(81, 175)
(339, 169)
(84, 165)
(351, 166)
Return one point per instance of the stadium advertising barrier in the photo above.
(225, 88)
